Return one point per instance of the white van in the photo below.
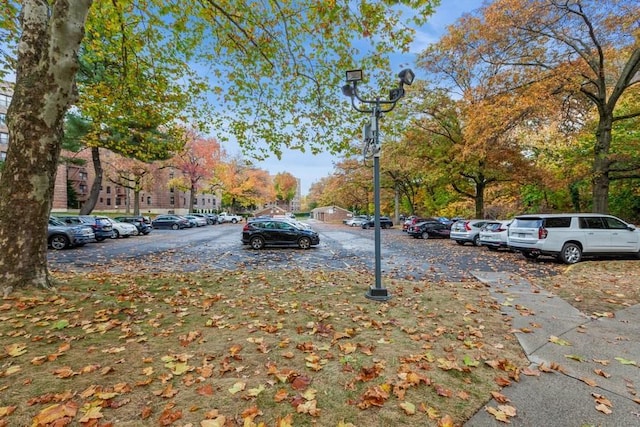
(570, 236)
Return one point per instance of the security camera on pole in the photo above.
(372, 148)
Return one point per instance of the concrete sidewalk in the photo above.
(596, 351)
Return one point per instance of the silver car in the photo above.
(467, 231)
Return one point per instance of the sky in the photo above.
(311, 168)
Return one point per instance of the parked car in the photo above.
(227, 217)
(173, 222)
(101, 225)
(139, 221)
(278, 232)
(60, 235)
(569, 237)
(429, 229)
(493, 235)
(413, 220)
(356, 221)
(385, 222)
(123, 229)
(200, 221)
(213, 217)
(467, 231)
(208, 219)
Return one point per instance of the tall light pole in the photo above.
(372, 136)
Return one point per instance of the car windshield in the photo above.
(57, 222)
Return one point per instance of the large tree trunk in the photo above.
(44, 89)
(91, 201)
(601, 164)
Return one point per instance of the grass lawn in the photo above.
(230, 348)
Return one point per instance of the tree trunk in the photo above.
(90, 203)
(45, 73)
(480, 187)
(601, 164)
(136, 202)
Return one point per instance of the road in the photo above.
(341, 247)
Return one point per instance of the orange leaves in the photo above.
(375, 395)
(60, 414)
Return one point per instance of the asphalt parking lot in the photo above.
(341, 247)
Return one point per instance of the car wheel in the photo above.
(304, 243)
(58, 242)
(115, 234)
(365, 226)
(460, 242)
(136, 233)
(175, 226)
(476, 241)
(425, 235)
(257, 242)
(100, 239)
(571, 253)
(234, 221)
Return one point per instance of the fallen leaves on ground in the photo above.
(240, 348)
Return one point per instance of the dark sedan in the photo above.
(429, 229)
(278, 232)
(173, 222)
(385, 222)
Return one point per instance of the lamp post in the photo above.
(372, 136)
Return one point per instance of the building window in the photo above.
(170, 175)
(203, 201)
(83, 188)
(118, 201)
(83, 176)
(4, 138)
(101, 200)
(148, 200)
(3, 119)
(108, 189)
(5, 100)
(108, 201)
(195, 201)
(172, 200)
(171, 190)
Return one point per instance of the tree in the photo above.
(285, 186)
(44, 89)
(243, 185)
(197, 162)
(133, 175)
(131, 90)
(589, 48)
(282, 60)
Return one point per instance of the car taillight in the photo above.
(542, 233)
(467, 226)
(246, 227)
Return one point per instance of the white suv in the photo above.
(570, 236)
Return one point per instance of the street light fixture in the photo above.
(406, 76)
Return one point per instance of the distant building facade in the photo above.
(75, 178)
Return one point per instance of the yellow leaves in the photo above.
(502, 413)
(408, 407)
(558, 341)
(15, 350)
(237, 387)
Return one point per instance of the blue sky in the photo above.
(311, 168)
